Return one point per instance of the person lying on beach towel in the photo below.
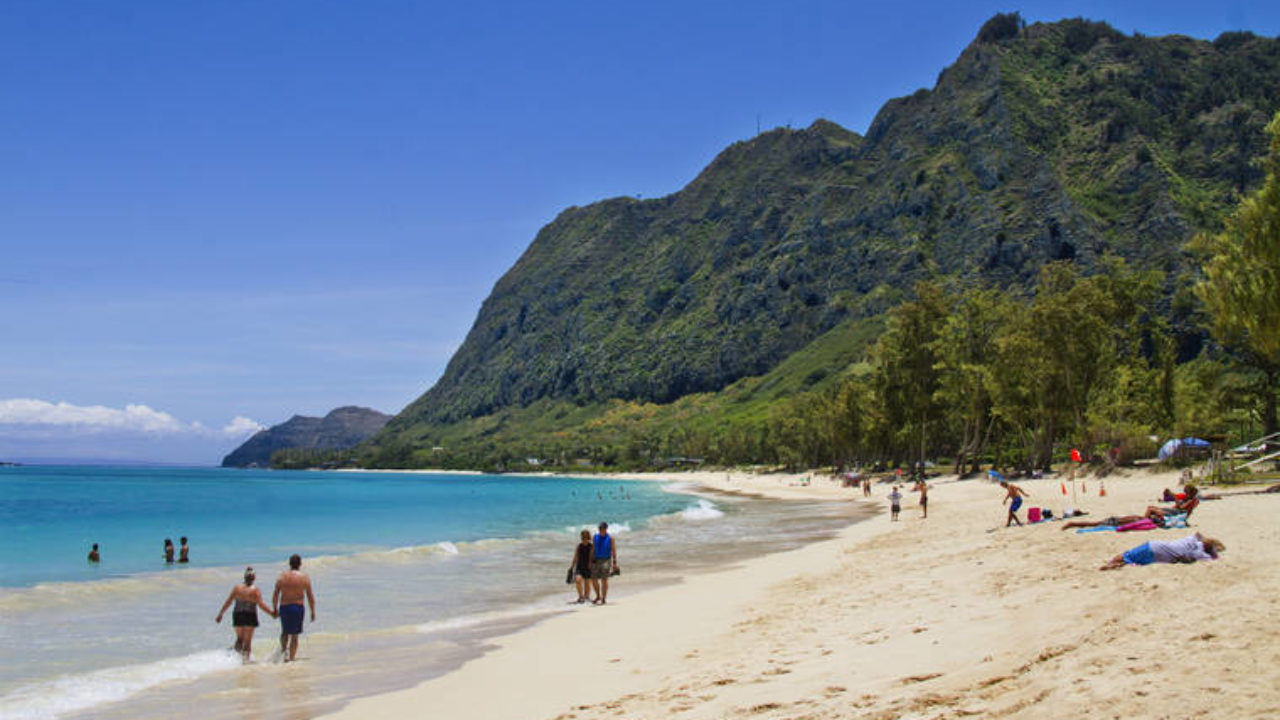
(1110, 522)
(1186, 550)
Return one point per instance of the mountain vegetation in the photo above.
(305, 441)
(999, 266)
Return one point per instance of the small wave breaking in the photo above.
(63, 696)
(703, 510)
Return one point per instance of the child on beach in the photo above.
(895, 504)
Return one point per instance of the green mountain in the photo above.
(768, 274)
(342, 428)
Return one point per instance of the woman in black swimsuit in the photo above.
(581, 567)
(245, 616)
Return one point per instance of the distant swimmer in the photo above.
(1013, 495)
(93, 554)
(244, 618)
(286, 603)
(183, 551)
(168, 550)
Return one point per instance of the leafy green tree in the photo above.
(965, 351)
(906, 377)
(1241, 285)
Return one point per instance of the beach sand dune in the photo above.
(950, 617)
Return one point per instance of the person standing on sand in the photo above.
(286, 603)
(244, 619)
(581, 566)
(1013, 495)
(604, 562)
(183, 551)
(923, 488)
(93, 554)
(866, 486)
(895, 498)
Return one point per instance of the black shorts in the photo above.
(244, 618)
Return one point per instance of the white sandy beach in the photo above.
(953, 616)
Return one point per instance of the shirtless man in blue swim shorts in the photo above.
(1015, 494)
(286, 602)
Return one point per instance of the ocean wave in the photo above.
(55, 594)
(72, 694)
(703, 510)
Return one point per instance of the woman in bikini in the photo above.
(581, 566)
(244, 619)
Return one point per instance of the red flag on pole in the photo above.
(1075, 455)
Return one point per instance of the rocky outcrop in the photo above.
(342, 428)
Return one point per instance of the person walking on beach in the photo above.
(168, 551)
(923, 488)
(93, 554)
(895, 500)
(286, 603)
(1013, 495)
(244, 618)
(866, 486)
(184, 551)
(604, 562)
(580, 568)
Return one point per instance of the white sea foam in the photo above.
(546, 606)
(703, 510)
(448, 547)
(72, 694)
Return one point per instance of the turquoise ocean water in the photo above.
(412, 573)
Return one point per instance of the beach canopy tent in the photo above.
(1177, 446)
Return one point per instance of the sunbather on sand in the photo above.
(1186, 550)
(1113, 521)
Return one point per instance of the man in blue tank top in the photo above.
(604, 562)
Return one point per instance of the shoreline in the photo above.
(950, 616)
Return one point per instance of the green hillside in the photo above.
(631, 328)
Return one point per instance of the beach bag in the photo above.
(568, 579)
(1033, 515)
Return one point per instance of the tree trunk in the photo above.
(1269, 402)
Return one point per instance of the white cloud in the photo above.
(141, 419)
(241, 426)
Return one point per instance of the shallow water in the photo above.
(413, 573)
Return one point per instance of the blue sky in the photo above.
(228, 213)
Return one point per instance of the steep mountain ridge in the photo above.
(1055, 141)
